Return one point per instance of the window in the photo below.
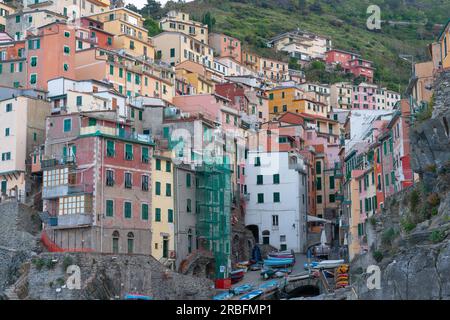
(109, 208)
(170, 215)
(188, 205)
(319, 183)
(66, 50)
(168, 166)
(128, 152)
(332, 198)
(145, 157)
(276, 197)
(33, 61)
(109, 178)
(318, 167)
(144, 184)
(110, 148)
(332, 183)
(7, 132)
(260, 197)
(67, 125)
(158, 188)
(168, 190)
(127, 210)
(275, 221)
(144, 211)
(259, 180)
(172, 52)
(188, 180)
(158, 164)
(9, 107)
(319, 199)
(6, 156)
(257, 162)
(79, 101)
(386, 178)
(33, 78)
(128, 182)
(158, 215)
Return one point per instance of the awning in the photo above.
(316, 219)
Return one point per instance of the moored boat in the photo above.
(223, 296)
(276, 262)
(242, 289)
(252, 295)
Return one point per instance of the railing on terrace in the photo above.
(57, 161)
(115, 132)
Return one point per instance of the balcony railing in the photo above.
(115, 132)
(65, 190)
(54, 162)
(70, 221)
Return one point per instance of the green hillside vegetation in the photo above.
(344, 21)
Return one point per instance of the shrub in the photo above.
(60, 281)
(388, 236)
(408, 225)
(67, 262)
(433, 200)
(377, 255)
(50, 264)
(414, 200)
(434, 211)
(38, 263)
(437, 236)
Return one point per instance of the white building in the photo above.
(85, 95)
(277, 200)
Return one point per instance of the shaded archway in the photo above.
(210, 270)
(197, 272)
(304, 291)
(255, 231)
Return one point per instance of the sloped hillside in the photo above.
(408, 26)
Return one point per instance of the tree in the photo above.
(132, 7)
(151, 9)
(209, 20)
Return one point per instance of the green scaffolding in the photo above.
(213, 194)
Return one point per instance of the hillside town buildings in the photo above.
(188, 146)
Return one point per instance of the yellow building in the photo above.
(283, 99)
(129, 76)
(128, 26)
(195, 75)
(354, 244)
(444, 40)
(311, 107)
(177, 21)
(5, 10)
(163, 223)
(176, 47)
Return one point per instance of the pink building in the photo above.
(399, 128)
(351, 62)
(226, 46)
(212, 106)
(364, 96)
(96, 185)
(51, 54)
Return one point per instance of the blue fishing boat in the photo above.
(252, 295)
(269, 286)
(275, 262)
(223, 296)
(133, 296)
(242, 289)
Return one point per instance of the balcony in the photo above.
(115, 132)
(65, 190)
(55, 162)
(70, 221)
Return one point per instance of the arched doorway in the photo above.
(266, 237)
(115, 242)
(255, 231)
(130, 242)
(197, 272)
